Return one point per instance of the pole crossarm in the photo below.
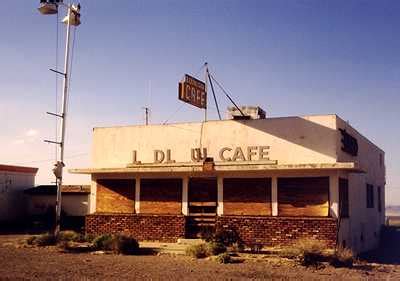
(58, 72)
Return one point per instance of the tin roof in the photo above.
(18, 169)
(52, 189)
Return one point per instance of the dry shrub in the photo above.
(308, 251)
(224, 258)
(118, 243)
(31, 240)
(215, 248)
(343, 257)
(69, 235)
(103, 242)
(126, 245)
(227, 237)
(47, 239)
(198, 251)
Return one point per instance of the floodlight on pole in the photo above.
(50, 7)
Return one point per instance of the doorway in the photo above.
(202, 201)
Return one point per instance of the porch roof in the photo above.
(219, 167)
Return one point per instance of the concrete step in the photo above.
(186, 241)
(203, 219)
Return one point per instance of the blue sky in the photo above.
(290, 57)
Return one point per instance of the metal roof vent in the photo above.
(250, 112)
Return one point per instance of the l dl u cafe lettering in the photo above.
(226, 154)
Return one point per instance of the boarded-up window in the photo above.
(161, 196)
(245, 196)
(303, 196)
(115, 196)
(202, 195)
(344, 198)
(370, 195)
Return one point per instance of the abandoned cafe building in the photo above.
(273, 180)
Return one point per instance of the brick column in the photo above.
(334, 195)
(137, 195)
(274, 196)
(220, 194)
(185, 189)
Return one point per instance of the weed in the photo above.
(216, 248)
(343, 257)
(198, 251)
(224, 258)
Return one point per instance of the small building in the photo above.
(272, 180)
(13, 181)
(74, 200)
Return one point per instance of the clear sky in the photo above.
(290, 57)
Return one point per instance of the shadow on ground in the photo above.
(389, 250)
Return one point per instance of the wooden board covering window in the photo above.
(202, 195)
(161, 196)
(115, 196)
(247, 196)
(202, 190)
(343, 198)
(303, 197)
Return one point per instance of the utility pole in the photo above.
(73, 18)
(146, 112)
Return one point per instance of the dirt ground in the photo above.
(24, 262)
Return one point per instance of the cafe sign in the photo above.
(193, 91)
(225, 154)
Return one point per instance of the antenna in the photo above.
(146, 112)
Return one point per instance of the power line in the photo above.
(49, 160)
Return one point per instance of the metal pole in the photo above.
(205, 109)
(63, 121)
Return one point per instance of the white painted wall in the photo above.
(363, 221)
(72, 204)
(292, 140)
(12, 199)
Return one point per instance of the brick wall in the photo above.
(164, 228)
(280, 231)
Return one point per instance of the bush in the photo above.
(311, 251)
(117, 243)
(69, 235)
(198, 251)
(31, 240)
(125, 245)
(308, 251)
(237, 247)
(103, 242)
(227, 237)
(216, 248)
(45, 240)
(224, 258)
(89, 238)
(343, 257)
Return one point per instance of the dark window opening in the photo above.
(379, 199)
(370, 196)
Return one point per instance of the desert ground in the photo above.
(20, 261)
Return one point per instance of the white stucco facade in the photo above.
(308, 146)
